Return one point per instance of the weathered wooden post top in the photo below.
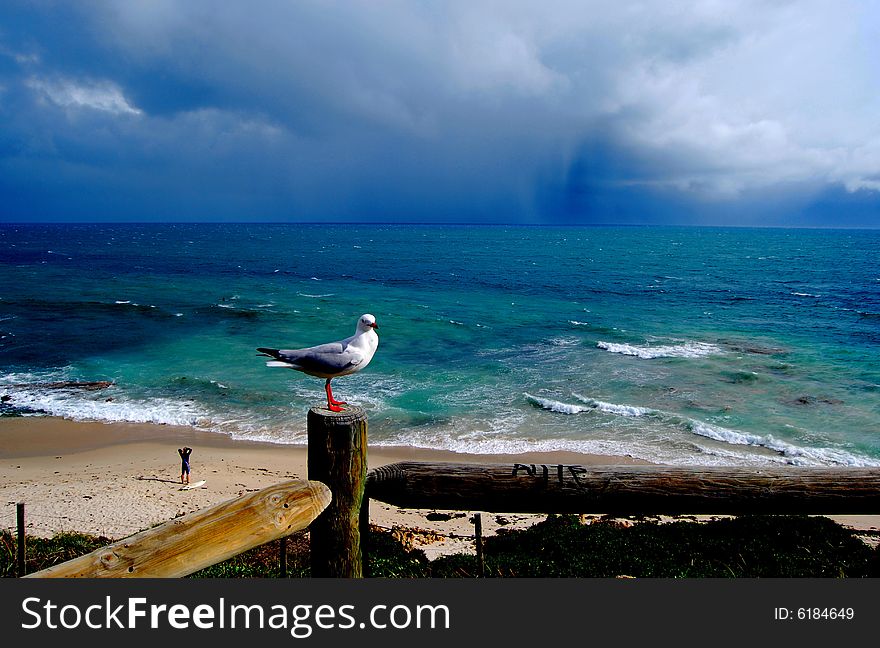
(337, 456)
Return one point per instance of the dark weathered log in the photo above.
(338, 457)
(626, 490)
(282, 556)
(195, 541)
(478, 542)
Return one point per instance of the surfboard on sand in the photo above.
(197, 484)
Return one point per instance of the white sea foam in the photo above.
(19, 378)
(315, 296)
(500, 435)
(795, 455)
(80, 407)
(507, 440)
(685, 350)
(556, 406)
(588, 405)
(613, 408)
(791, 453)
(802, 294)
(495, 446)
(503, 434)
(564, 342)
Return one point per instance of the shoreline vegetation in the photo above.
(85, 483)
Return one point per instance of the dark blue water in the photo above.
(683, 345)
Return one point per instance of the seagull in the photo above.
(331, 360)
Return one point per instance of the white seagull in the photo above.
(331, 360)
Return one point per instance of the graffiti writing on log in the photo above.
(558, 473)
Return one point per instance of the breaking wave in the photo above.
(77, 406)
(686, 350)
(792, 454)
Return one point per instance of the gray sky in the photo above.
(708, 112)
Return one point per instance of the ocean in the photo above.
(687, 346)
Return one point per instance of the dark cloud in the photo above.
(473, 111)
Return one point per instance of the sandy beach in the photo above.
(117, 479)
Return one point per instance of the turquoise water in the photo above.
(681, 345)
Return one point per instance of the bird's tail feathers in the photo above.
(274, 353)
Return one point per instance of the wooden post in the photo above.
(22, 564)
(282, 555)
(365, 536)
(338, 457)
(187, 544)
(478, 541)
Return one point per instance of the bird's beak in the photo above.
(374, 325)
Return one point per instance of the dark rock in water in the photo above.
(781, 369)
(8, 408)
(94, 385)
(88, 385)
(760, 350)
(5, 398)
(740, 377)
(753, 348)
(815, 400)
(764, 350)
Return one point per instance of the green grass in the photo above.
(45, 552)
(749, 546)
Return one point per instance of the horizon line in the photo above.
(445, 223)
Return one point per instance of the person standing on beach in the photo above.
(184, 468)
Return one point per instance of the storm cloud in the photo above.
(593, 112)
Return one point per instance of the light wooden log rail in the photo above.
(626, 490)
(195, 541)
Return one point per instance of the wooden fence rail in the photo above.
(195, 541)
(626, 490)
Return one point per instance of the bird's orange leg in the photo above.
(332, 404)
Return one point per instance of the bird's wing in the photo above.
(326, 359)
(332, 347)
